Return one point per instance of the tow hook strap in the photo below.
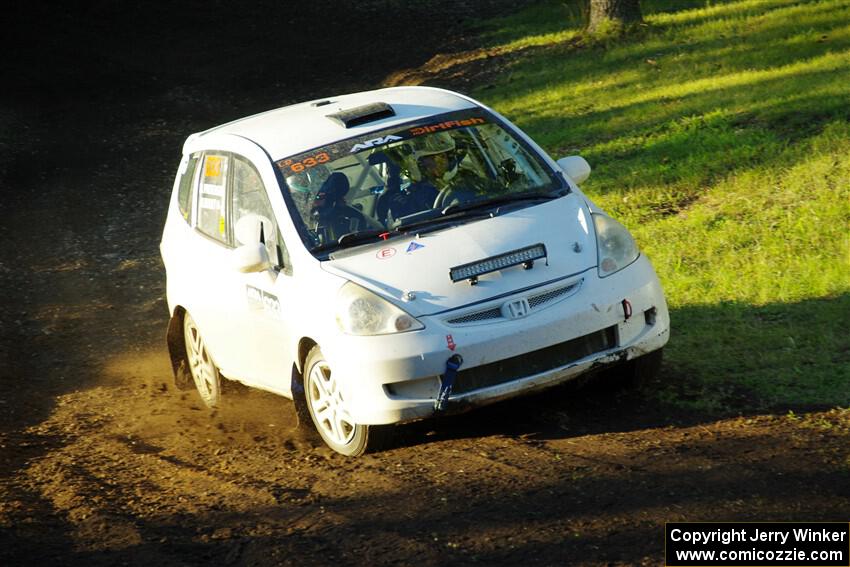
(447, 380)
(627, 309)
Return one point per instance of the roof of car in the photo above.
(300, 127)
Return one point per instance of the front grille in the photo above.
(495, 313)
(542, 299)
(534, 362)
(535, 302)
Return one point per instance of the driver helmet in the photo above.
(435, 156)
(307, 181)
(304, 185)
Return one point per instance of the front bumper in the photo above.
(396, 378)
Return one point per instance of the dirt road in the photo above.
(102, 461)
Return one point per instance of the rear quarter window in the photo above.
(184, 190)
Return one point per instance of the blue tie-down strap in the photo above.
(447, 380)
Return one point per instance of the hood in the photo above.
(421, 264)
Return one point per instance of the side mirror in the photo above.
(252, 258)
(576, 167)
(247, 229)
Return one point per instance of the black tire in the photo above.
(641, 370)
(326, 407)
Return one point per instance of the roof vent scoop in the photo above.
(362, 114)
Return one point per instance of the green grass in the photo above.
(720, 134)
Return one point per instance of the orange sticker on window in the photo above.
(308, 162)
(448, 125)
(212, 166)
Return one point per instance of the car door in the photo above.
(266, 295)
(208, 263)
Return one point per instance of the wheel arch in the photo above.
(305, 345)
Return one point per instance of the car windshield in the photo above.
(454, 168)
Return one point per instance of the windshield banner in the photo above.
(306, 160)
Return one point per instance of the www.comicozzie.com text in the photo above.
(726, 536)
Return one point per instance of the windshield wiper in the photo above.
(463, 210)
(501, 199)
(350, 239)
(440, 219)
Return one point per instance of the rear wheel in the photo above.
(327, 408)
(204, 371)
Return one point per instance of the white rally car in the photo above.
(384, 256)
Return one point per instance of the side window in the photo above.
(253, 219)
(184, 192)
(211, 219)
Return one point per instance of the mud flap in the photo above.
(177, 352)
(302, 415)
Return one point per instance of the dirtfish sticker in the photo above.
(259, 299)
(447, 125)
(414, 246)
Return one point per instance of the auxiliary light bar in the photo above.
(471, 271)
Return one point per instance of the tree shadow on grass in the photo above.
(769, 43)
(694, 139)
(756, 101)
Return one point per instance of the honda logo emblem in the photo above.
(516, 309)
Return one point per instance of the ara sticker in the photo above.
(385, 253)
(374, 142)
(414, 246)
(450, 342)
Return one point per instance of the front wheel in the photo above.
(643, 369)
(326, 405)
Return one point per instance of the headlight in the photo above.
(361, 312)
(615, 247)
